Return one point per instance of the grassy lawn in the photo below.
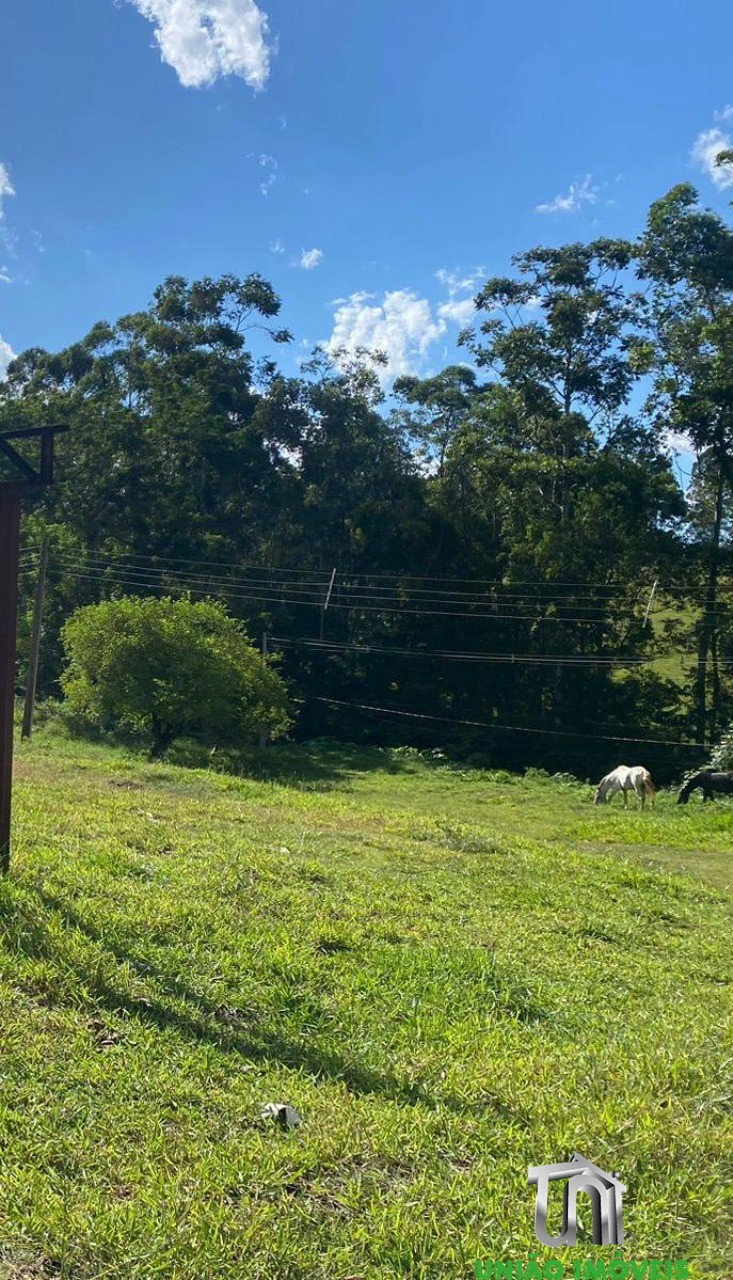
(451, 975)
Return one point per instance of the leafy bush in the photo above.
(722, 755)
(167, 668)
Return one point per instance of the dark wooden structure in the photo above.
(32, 477)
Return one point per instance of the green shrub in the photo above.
(168, 668)
(722, 755)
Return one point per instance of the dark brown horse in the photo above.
(709, 781)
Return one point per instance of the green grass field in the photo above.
(451, 975)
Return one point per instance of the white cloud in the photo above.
(455, 282)
(459, 310)
(292, 456)
(277, 246)
(311, 258)
(203, 40)
(402, 325)
(677, 442)
(706, 149)
(6, 355)
(581, 192)
(270, 171)
(6, 187)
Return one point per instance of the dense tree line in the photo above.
(517, 507)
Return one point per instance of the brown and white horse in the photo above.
(625, 779)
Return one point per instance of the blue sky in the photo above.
(373, 159)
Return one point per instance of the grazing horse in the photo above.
(626, 779)
(709, 781)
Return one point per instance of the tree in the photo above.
(167, 668)
(686, 253)
(576, 489)
(710, 528)
(356, 471)
(558, 337)
(559, 333)
(192, 465)
(434, 408)
(563, 454)
(167, 454)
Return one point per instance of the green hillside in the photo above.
(450, 975)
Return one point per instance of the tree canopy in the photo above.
(165, 668)
(486, 537)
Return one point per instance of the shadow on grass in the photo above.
(307, 766)
(28, 929)
(320, 764)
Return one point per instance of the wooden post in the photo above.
(324, 607)
(32, 480)
(9, 553)
(30, 693)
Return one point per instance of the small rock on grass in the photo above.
(283, 1114)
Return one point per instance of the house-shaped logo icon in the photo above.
(580, 1175)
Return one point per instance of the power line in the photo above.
(104, 566)
(320, 575)
(348, 583)
(507, 728)
(147, 578)
(550, 660)
(468, 656)
(325, 573)
(187, 588)
(142, 578)
(312, 591)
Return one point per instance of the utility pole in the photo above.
(651, 601)
(326, 603)
(33, 479)
(9, 556)
(30, 693)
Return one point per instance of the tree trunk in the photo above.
(708, 626)
(715, 717)
(163, 736)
